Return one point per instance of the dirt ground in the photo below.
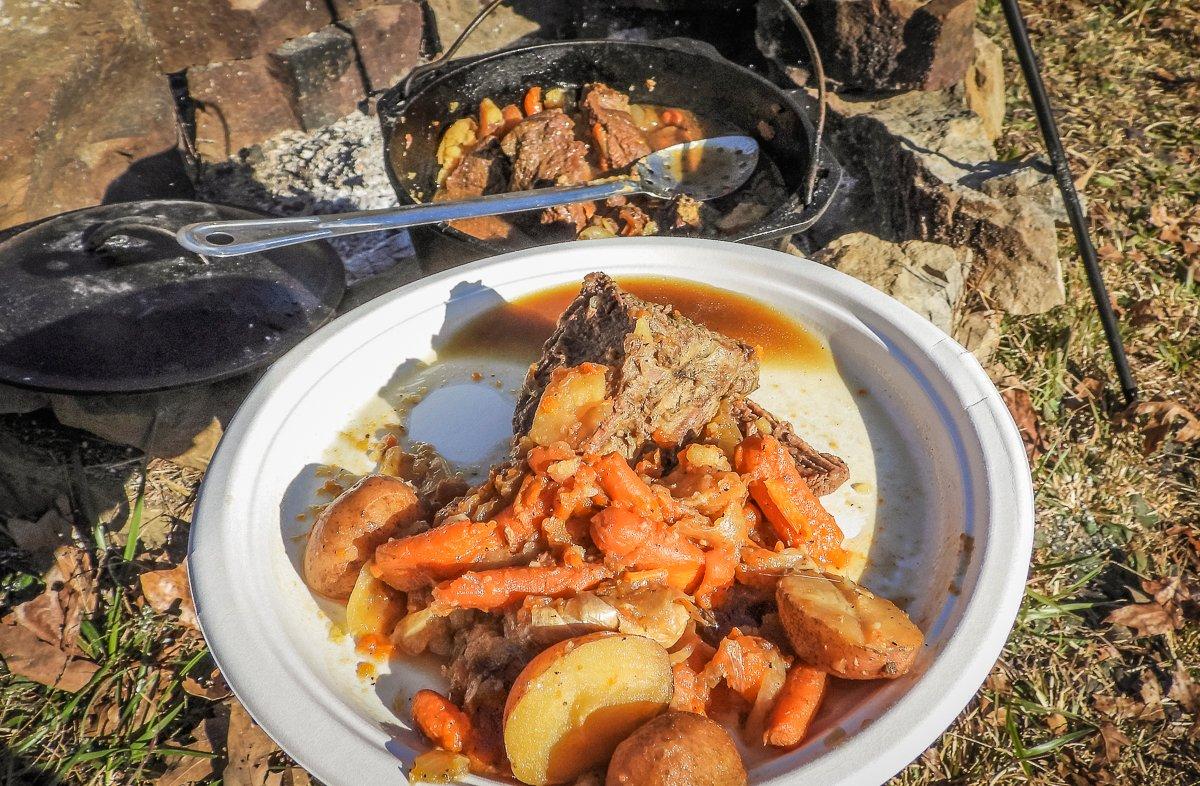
(1097, 683)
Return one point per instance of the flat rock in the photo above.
(389, 39)
(84, 111)
(238, 105)
(878, 44)
(926, 277)
(321, 73)
(191, 33)
(520, 21)
(920, 167)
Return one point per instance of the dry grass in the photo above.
(1074, 699)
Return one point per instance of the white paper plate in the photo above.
(935, 458)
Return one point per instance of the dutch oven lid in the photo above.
(104, 300)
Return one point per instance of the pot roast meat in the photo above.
(483, 170)
(668, 374)
(824, 472)
(544, 151)
(619, 139)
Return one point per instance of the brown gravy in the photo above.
(518, 329)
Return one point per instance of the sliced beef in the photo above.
(618, 138)
(483, 170)
(544, 151)
(823, 471)
(668, 374)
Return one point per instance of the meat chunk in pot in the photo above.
(544, 151)
(618, 138)
(483, 170)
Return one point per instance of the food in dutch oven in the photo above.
(558, 138)
(650, 571)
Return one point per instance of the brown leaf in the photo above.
(213, 688)
(168, 591)
(40, 538)
(1056, 723)
(1114, 740)
(1184, 689)
(28, 656)
(249, 750)
(1146, 619)
(1020, 406)
(1164, 419)
(195, 769)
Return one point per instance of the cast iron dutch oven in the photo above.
(683, 72)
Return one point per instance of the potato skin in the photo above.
(348, 531)
(870, 638)
(677, 749)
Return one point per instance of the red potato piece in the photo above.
(576, 701)
(677, 749)
(347, 533)
(840, 626)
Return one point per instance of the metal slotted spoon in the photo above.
(704, 169)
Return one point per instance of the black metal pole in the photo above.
(1066, 184)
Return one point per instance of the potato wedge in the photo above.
(840, 626)
(373, 608)
(568, 404)
(677, 749)
(575, 702)
(348, 531)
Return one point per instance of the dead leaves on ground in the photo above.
(1159, 421)
(169, 592)
(249, 750)
(39, 639)
(1172, 603)
(1020, 406)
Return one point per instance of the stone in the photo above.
(982, 89)
(878, 45)
(238, 105)
(84, 111)
(510, 24)
(192, 33)
(389, 40)
(321, 73)
(926, 277)
(344, 9)
(979, 332)
(920, 166)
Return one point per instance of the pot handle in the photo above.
(418, 71)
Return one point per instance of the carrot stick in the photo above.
(794, 512)
(418, 560)
(533, 100)
(795, 707)
(631, 542)
(496, 589)
(624, 488)
(444, 724)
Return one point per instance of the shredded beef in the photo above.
(667, 378)
(483, 170)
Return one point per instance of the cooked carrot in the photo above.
(794, 512)
(533, 101)
(672, 117)
(444, 724)
(512, 115)
(624, 488)
(541, 457)
(720, 567)
(795, 706)
(496, 589)
(601, 137)
(742, 661)
(632, 542)
(490, 118)
(419, 560)
(518, 522)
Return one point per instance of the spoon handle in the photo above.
(230, 238)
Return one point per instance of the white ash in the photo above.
(336, 169)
